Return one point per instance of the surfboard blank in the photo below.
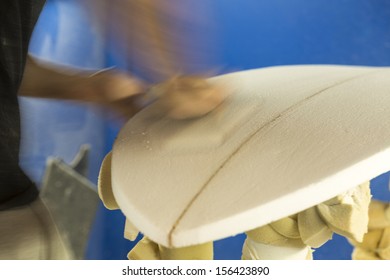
(287, 138)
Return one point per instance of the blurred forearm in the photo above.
(45, 82)
(109, 88)
(52, 81)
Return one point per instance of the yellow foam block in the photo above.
(258, 251)
(387, 212)
(267, 235)
(287, 227)
(144, 250)
(347, 214)
(377, 214)
(130, 232)
(313, 230)
(384, 245)
(361, 254)
(105, 186)
(370, 241)
(197, 252)
(149, 250)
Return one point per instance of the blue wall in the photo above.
(258, 33)
(250, 34)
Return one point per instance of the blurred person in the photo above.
(27, 230)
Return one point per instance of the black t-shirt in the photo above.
(17, 21)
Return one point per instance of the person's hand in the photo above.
(117, 91)
(180, 97)
(184, 97)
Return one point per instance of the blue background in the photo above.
(250, 34)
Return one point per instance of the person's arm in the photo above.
(180, 97)
(111, 88)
